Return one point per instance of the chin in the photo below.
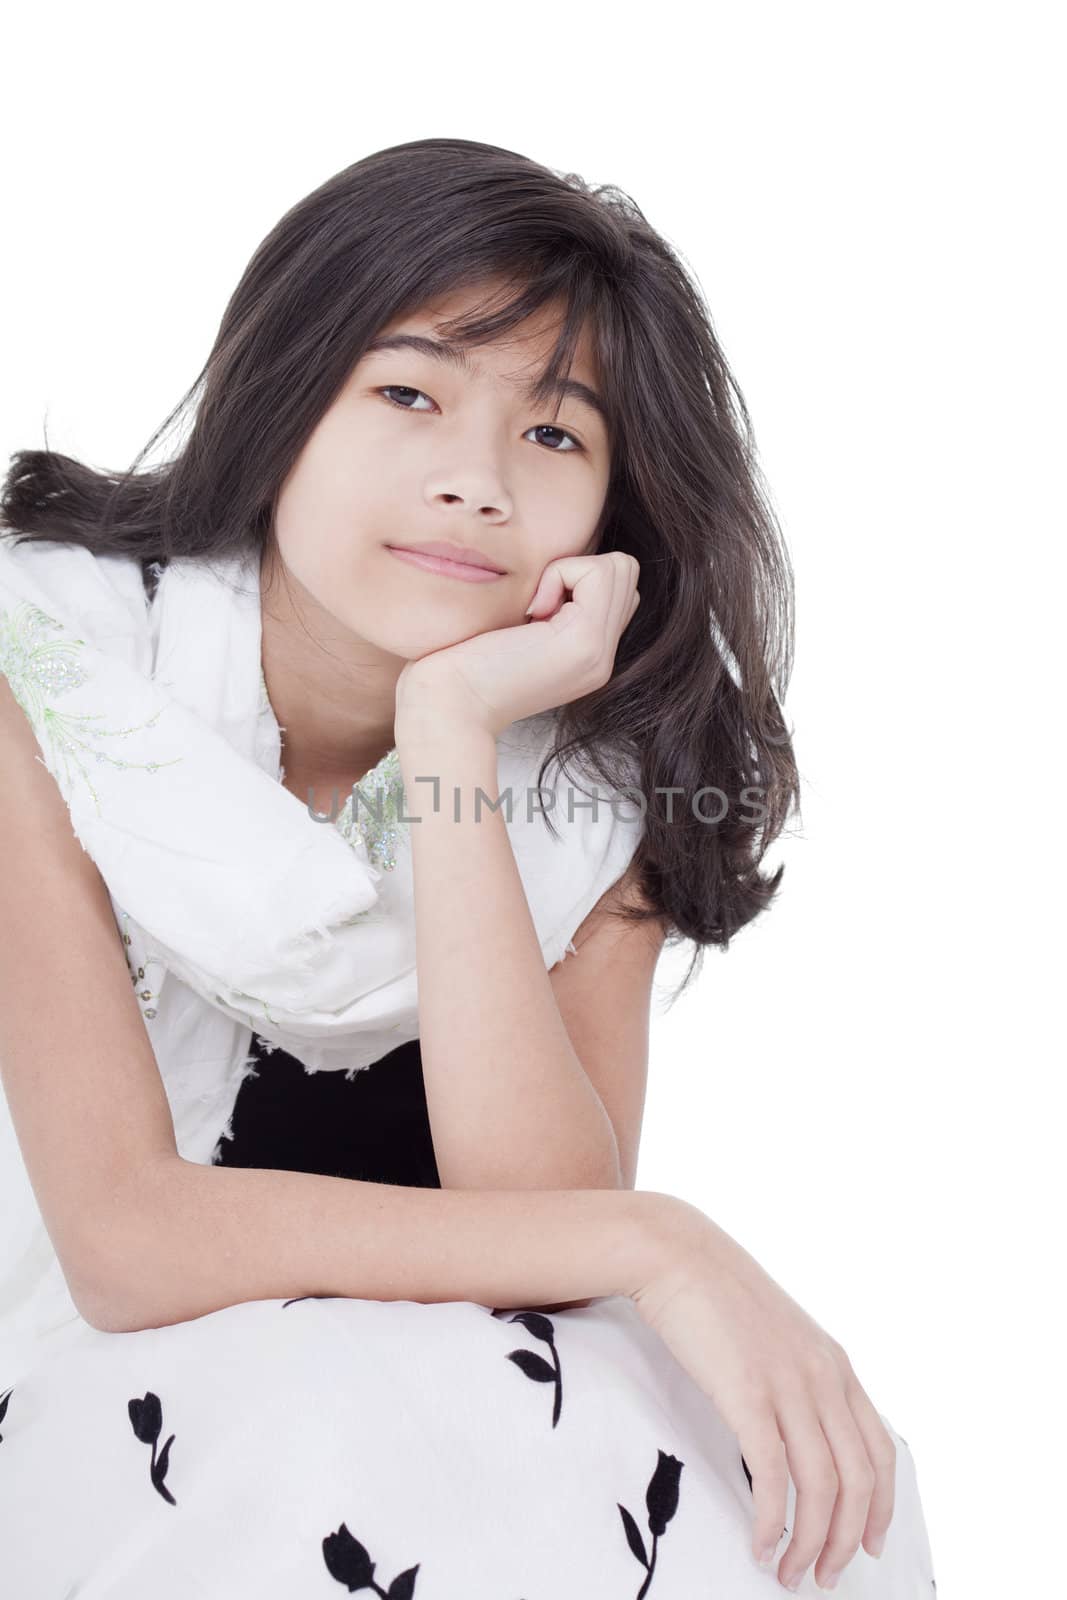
(391, 623)
(413, 644)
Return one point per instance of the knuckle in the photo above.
(817, 1483)
(839, 1353)
(771, 1470)
(823, 1364)
(762, 1445)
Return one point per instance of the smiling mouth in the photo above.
(444, 568)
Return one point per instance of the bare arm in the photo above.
(509, 1103)
(145, 1238)
(203, 1237)
(78, 1071)
(604, 993)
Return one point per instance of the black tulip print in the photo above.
(146, 1417)
(4, 1398)
(348, 1562)
(534, 1366)
(661, 1502)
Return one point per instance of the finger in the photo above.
(622, 605)
(600, 587)
(815, 1475)
(856, 1477)
(599, 580)
(882, 1453)
(610, 605)
(764, 1455)
(547, 595)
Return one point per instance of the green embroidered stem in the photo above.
(39, 670)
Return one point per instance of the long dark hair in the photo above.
(694, 701)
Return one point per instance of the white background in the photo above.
(864, 1090)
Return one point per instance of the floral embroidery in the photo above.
(40, 669)
(378, 817)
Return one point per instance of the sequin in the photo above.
(373, 812)
(138, 975)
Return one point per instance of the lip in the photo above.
(449, 560)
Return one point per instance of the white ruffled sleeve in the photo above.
(599, 832)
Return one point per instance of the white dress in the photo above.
(455, 1451)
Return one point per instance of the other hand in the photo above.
(786, 1389)
(566, 650)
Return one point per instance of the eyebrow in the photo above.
(455, 355)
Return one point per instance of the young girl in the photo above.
(359, 762)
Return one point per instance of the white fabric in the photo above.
(277, 1448)
(499, 1452)
(240, 909)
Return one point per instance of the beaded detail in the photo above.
(374, 811)
(39, 670)
(137, 974)
(377, 819)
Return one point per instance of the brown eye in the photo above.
(389, 389)
(401, 388)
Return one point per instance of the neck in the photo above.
(333, 694)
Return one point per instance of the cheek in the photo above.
(329, 477)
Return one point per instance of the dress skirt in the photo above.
(288, 1449)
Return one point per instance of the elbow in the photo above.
(101, 1312)
(100, 1290)
(121, 1267)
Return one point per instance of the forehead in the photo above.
(528, 345)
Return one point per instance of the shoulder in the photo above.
(604, 920)
(70, 581)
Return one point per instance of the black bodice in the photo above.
(373, 1126)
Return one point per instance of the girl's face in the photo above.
(417, 448)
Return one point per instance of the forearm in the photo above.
(509, 1103)
(195, 1238)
